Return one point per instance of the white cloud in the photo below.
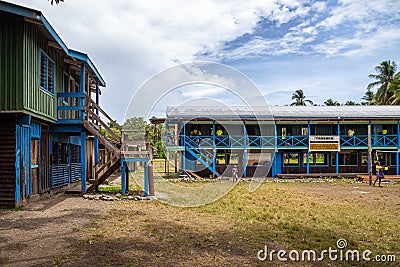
(130, 40)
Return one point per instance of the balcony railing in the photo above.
(236, 141)
(384, 140)
(71, 107)
(354, 141)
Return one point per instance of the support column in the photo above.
(184, 151)
(151, 179)
(245, 150)
(308, 151)
(123, 177)
(214, 163)
(166, 133)
(96, 140)
(69, 162)
(146, 179)
(398, 148)
(214, 148)
(82, 89)
(337, 153)
(276, 154)
(83, 161)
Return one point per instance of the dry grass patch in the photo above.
(230, 231)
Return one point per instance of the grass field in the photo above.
(232, 230)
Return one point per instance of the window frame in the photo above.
(46, 86)
(291, 165)
(346, 165)
(313, 163)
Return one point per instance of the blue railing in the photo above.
(354, 141)
(241, 141)
(70, 107)
(384, 140)
(292, 141)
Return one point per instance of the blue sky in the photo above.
(326, 48)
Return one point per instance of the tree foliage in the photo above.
(300, 99)
(139, 127)
(55, 1)
(331, 102)
(368, 98)
(385, 80)
(351, 103)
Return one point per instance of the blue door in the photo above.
(25, 161)
(18, 182)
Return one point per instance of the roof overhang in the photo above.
(85, 58)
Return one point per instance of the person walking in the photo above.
(379, 173)
(235, 176)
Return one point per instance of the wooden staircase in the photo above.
(111, 160)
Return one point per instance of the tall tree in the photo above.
(138, 127)
(351, 103)
(331, 102)
(368, 98)
(384, 77)
(300, 99)
(394, 88)
(56, 1)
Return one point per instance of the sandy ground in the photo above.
(42, 230)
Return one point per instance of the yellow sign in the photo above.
(324, 147)
(324, 143)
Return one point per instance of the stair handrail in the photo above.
(93, 117)
(97, 107)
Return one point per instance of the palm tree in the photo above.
(300, 99)
(331, 102)
(369, 98)
(56, 1)
(394, 88)
(351, 103)
(384, 77)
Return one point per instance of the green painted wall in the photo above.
(36, 100)
(11, 62)
(20, 46)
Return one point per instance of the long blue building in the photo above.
(274, 140)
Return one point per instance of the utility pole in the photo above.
(369, 155)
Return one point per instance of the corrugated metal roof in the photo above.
(284, 112)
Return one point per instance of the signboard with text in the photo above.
(324, 143)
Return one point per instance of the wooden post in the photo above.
(83, 162)
(149, 167)
(369, 155)
(176, 161)
(151, 179)
(146, 179)
(123, 177)
(337, 153)
(308, 151)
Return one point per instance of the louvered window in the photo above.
(47, 72)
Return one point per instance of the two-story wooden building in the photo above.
(273, 140)
(49, 110)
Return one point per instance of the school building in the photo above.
(275, 140)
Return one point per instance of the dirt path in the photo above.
(38, 234)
